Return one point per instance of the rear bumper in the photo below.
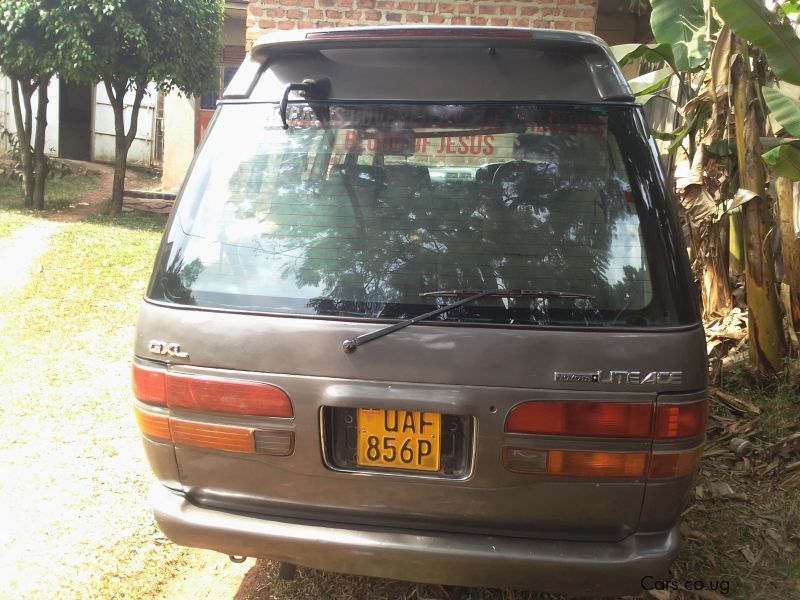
(581, 568)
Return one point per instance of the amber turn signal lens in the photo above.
(151, 425)
(597, 419)
(575, 463)
(218, 437)
(674, 464)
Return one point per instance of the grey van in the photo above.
(423, 311)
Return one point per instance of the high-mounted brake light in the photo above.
(600, 419)
(210, 394)
(413, 32)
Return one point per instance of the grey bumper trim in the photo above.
(584, 568)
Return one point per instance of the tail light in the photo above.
(681, 420)
(577, 463)
(600, 419)
(605, 420)
(210, 394)
(664, 465)
(230, 438)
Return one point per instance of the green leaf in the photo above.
(751, 20)
(722, 148)
(664, 136)
(650, 82)
(652, 53)
(784, 160)
(785, 110)
(682, 25)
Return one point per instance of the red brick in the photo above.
(426, 7)
(394, 17)
(344, 3)
(572, 12)
(255, 11)
(443, 7)
(307, 3)
(529, 11)
(477, 20)
(276, 12)
(521, 22)
(325, 3)
(333, 14)
(384, 4)
(487, 9)
(289, 2)
(499, 22)
(366, 3)
(465, 8)
(508, 9)
(314, 13)
(413, 18)
(286, 25)
(294, 14)
(265, 24)
(405, 5)
(435, 19)
(458, 21)
(306, 25)
(566, 1)
(563, 25)
(372, 15)
(584, 26)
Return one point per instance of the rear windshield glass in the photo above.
(356, 210)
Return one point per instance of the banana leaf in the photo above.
(751, 20)
(682, 25)
(785, 110)
(784, 160)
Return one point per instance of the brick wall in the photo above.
(264, 16)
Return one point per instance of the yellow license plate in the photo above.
(399, 439)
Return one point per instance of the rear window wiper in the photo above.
(466, 296)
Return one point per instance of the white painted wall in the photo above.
(179, 124)
(103, 143)
(7, 115)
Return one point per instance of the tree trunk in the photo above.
(767, 342)
(123, 139)
(39, 159)
(790, 247)
(21, 92)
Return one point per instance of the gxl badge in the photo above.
(167, 349)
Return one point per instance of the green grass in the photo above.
(59, 193)
(11, 221)
(74, 486)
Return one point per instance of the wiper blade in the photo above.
(471, 296)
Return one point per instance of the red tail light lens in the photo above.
(227, 395)
(149, 385)
(211, 394)
(681, 420)
(600, 419)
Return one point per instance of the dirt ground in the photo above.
(73, 491)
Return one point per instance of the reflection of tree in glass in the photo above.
(177, 280)
(374, 237)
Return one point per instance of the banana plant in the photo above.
(721, 58)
